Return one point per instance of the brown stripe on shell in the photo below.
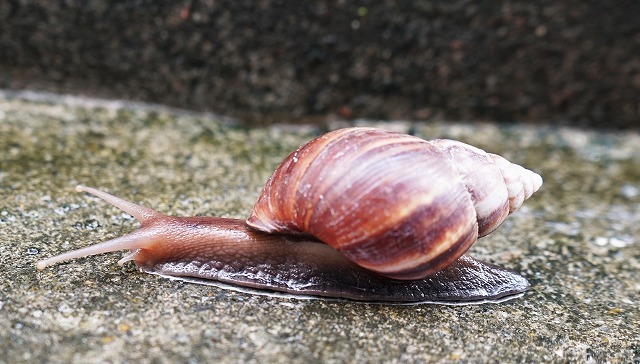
(295, 189)
(425, 242)
(275, 210)
(441, 261)
(329, 183)
(384, 193)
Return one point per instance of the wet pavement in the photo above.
(576, 241)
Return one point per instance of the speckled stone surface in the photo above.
(576, 240)
(569, 61)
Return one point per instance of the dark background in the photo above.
(573, 62)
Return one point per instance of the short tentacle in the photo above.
(141, 213)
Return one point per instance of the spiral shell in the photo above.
(392, 203)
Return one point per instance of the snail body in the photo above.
(357, 213)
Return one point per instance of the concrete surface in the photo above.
(576, 240)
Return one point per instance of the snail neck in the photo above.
(161, 237)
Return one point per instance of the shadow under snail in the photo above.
(358, 213)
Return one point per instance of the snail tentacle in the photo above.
(142, 238)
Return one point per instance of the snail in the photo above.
(358, 213)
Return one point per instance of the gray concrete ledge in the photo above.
(576, 240)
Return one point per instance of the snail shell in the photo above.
(392, 203)
(357, 213)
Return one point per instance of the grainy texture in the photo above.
(568, 61)
(576, 240)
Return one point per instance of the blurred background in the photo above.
(571, 62)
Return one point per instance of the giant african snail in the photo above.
(357, 213)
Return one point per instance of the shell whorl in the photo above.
(497, 186)
(392, 203)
